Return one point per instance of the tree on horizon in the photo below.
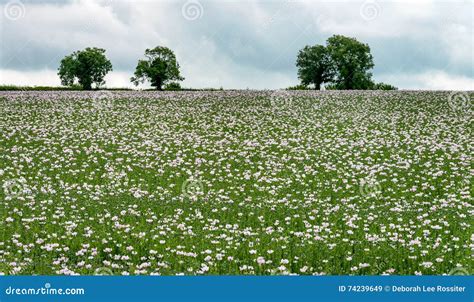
(344, 63)
(160, 68)
(314, 66)
(352, 61)
(88, 67)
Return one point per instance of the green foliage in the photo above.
(314, 66)
(298, 87)
(344, 63)
(331, 87)
(74, 87)
(173, 86)
(373, 86)
(159, 68)
(352, 61)
(88, 67)
(35, 88)
(383, 86)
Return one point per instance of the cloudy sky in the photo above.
(240, 44)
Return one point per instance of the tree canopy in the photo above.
(314, 66)
(160, 68)
(352, 61)
(88, 67)
(344, 63)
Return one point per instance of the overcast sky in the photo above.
(240, 44)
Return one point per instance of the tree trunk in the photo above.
(317, 86)
(85, 83)
(159, 84)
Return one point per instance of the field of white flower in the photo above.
(236, 182)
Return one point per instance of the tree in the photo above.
(314, 66)
(383, 86)
(173, 86)
(352, 61)
(88, 66)
(160, 68)
(344, 63)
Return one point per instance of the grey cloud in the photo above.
(232, 41)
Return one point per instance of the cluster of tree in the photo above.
(344, 63)
(89, 66)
